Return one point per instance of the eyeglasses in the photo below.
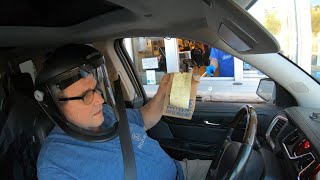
(87, 97)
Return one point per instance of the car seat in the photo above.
(3, 98)
(24, 130)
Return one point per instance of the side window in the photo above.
(149, 57)
(224, 78)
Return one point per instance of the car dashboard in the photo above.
(294, 138)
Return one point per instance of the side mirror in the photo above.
(267, 90)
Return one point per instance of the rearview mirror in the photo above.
(267, 90)
(245, 4)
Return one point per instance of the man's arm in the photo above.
(152, 111)
(213, 65)
(213, 62)
(214, 55)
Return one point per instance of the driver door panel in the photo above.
(188, 141)
(203, 135)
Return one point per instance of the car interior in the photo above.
(276, 139)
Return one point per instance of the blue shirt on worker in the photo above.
(225, 61)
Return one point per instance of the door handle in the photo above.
(212, 124)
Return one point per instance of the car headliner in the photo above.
(193, 19)
(198, 20)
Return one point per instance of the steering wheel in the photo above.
(241, 150)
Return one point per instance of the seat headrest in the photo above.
(23, 83)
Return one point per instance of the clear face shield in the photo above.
(82, 103)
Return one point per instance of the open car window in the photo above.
(233, 81)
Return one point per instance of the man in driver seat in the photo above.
(74, 90)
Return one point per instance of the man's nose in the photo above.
(98, 98)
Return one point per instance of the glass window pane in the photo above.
(232, 79)
(315, 22)
(296, 26)
(149, 59)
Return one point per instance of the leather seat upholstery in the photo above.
(24, 131)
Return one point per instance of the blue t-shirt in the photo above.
(63, 157)
(226, 62)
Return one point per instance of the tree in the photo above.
(272, 23)
(315, 19)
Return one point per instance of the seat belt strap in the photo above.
(124, 135)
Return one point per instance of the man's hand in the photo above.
(152, 111)
(210, 70)
(163, 86)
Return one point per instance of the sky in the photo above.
(314, 2)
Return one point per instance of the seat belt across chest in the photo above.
(129, 163)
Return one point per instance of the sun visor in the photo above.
(238, 29)
(232, 39)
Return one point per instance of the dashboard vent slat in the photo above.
(276, 129)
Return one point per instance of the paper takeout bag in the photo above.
(184, 113)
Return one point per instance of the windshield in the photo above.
(296, 26)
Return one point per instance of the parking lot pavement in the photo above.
(221, 91)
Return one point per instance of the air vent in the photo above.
(276, 129)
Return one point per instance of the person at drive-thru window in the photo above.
(196, 55)
(220, 59)
(73, 89)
